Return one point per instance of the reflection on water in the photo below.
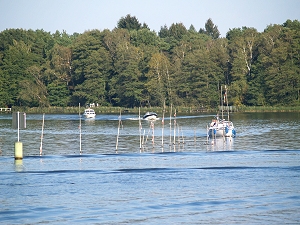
(221, 144)
(180, 177)
(19, 165)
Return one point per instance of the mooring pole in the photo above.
(18, 144)
(207, 134)
(174, 128)
(117, 143)
(42, 136)
(79, 130)
(18, 119)
(162, 129)
(152, 127)
(140, 128)
(171, 125)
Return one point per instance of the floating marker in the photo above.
(19, 123)
(18, 150)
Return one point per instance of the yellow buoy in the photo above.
(18, 150)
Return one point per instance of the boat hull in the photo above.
(215, 132)
(89, 113)
(222, 129)
(89, 116)
(150, 116)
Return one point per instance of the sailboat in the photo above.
(220, 127)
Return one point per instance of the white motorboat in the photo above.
(89, 113)
(150, 116)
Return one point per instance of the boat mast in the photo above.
(226, 99)
(222, 102)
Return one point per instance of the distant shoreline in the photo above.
(114, 110)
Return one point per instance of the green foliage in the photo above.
(210, 30)
(91, 68)
(58, 94)
(143, 37)
(131, 66)
(130, 23)
(294, 25)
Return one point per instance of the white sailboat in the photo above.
(220, 127)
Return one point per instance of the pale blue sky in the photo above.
(81, 15)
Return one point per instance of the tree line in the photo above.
(132, 66)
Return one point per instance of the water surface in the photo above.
(251, 179)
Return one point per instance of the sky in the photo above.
(82, 15)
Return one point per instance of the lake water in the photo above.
(251, 179)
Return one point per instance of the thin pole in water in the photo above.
(163, 125)
(152, 127)
(182, 135)
(175, 128)
(171, 125)
(178, 134)
(117, 143)
(143, 141)
(42, 136)
(207, 134)
(79, 130)
(140, 128)
(162, 129)
(18, 119)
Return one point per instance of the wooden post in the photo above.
(140, 127)
(18, 121)
(79, 130)
(152, 127)
(163, 125)
(117, 143)
(42, 136)
(207, 134)
(174, 128)
(171, 125)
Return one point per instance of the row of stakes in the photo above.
(143, 142)
(19, 145)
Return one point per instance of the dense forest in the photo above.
(132, 66)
